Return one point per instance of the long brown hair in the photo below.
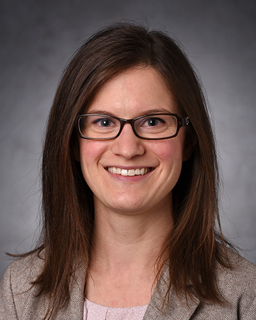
(193, 247)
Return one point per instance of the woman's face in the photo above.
(130, 94)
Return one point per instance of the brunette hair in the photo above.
(193, 247)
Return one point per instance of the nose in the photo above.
(127, 144)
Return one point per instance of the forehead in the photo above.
(133, 92)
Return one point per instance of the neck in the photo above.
(129, 242)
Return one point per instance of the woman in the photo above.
(130, 186)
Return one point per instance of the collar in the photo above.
(177, 308)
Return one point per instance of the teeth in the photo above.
(124, 172)
(130, 173)
(137, 171)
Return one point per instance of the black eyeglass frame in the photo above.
(181, 122)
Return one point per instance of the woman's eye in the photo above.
(103, 122)
(152, 122)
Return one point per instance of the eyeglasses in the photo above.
(150, 127)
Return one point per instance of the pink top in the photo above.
(93, 311)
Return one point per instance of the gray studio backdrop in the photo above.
(37, 40)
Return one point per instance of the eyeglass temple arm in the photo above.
(185, 121)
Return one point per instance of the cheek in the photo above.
(170, 154)
(90, 153)
(89, 149)
(168, 150)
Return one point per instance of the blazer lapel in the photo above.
(177, 308)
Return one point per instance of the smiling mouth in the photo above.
(130, 172)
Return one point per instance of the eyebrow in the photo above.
(151, 111)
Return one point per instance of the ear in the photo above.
(189, 145)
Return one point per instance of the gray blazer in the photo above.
(238, 286)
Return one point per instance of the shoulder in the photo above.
(21, 272)
(241, 278)
(16, 290)
(237, 286)
(20, 299)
